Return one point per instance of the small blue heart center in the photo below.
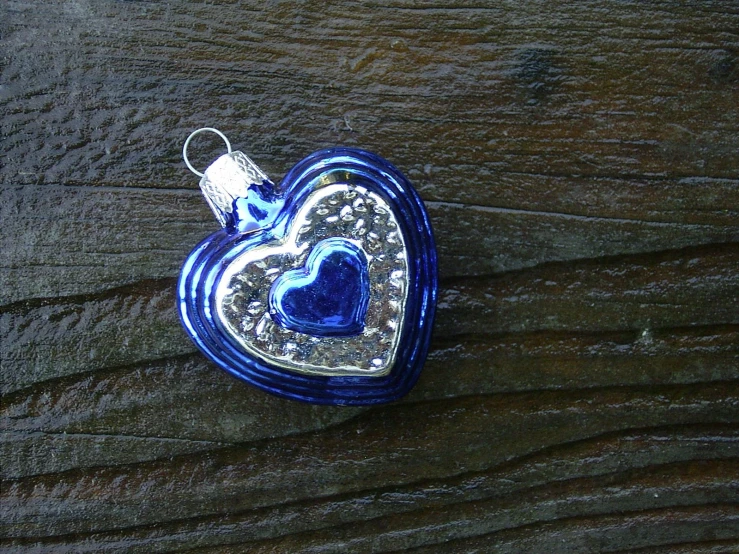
(329, 296)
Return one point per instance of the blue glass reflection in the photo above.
(327, 298)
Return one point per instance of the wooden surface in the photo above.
(580, 162)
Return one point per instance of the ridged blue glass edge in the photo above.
(204, 265)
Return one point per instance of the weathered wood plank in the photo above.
(388, 447)
(549, 484)
(539, 102)
(637, 296)
(655, 531)
(47, 339)
(572, 500)
(691, 287)
(579, 162)
(611, 89)
(77, 240)
(129, 401)
(76, 413)
(28, 453)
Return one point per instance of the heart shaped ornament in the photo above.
(322, 289)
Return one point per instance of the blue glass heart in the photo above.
(322, 289)
(327, 298)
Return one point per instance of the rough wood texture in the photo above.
(580, 161)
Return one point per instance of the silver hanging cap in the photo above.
(226, 179)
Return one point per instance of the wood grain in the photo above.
(580, 165)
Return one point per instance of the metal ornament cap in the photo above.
(322, 289)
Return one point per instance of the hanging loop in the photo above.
(197, 132)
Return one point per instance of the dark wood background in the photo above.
(580, 162)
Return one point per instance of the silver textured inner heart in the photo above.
(334, 210)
